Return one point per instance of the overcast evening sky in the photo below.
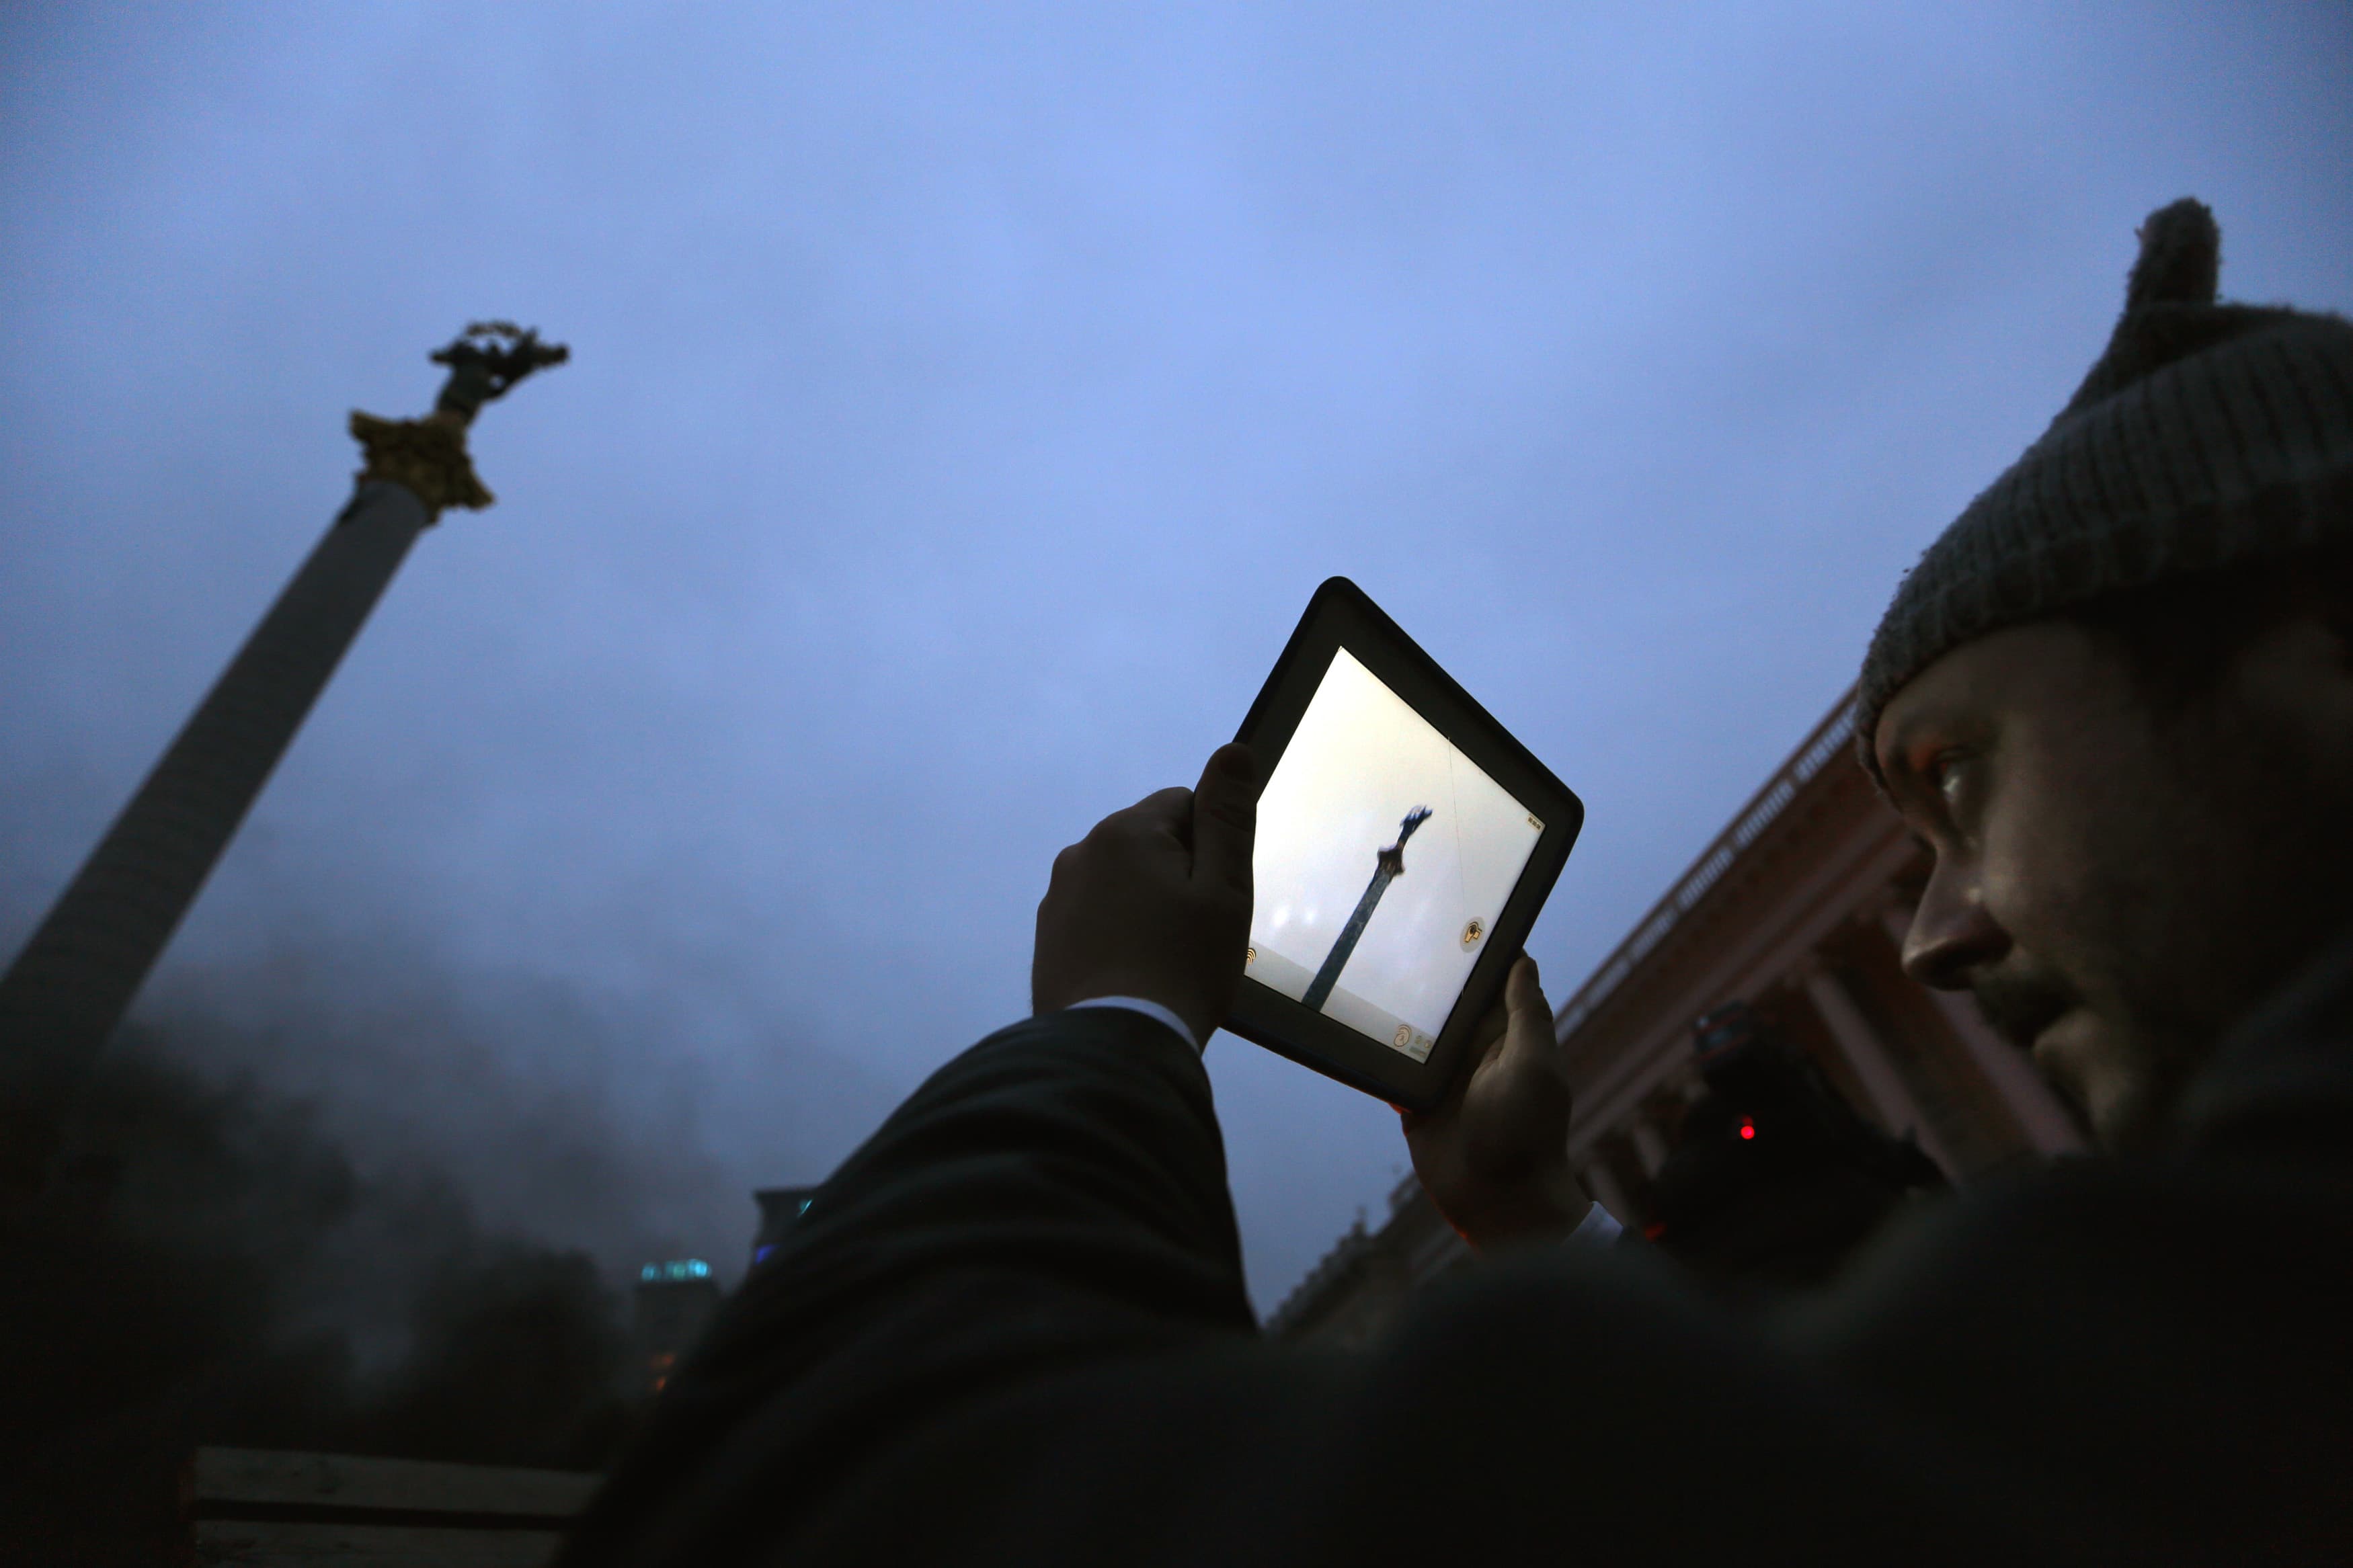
(964, 401)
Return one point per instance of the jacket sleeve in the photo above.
(1053, 1198)
(1012, 1329)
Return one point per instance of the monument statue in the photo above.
(68, 990)
(1388, 865)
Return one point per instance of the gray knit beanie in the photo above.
(2207, 436)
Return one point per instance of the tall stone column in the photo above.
(71, 984)
(1883, 1081)
(1601, 1185)
(1650, 1144)
(68, 989)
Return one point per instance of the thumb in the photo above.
(1523, 987)
(1225, 818)
(1531, 1015)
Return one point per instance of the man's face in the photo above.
(2118, 881)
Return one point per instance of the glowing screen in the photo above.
(1384, 857)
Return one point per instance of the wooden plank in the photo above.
(223, 1480)
(269, 1543)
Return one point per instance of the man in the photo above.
(2116, 700)
(1775, 1180)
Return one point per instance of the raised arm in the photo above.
(1053, 1199)
(1012, 1329)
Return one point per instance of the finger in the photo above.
(1170, 805)
(1494, 1025)
(1515, 1003)
(1163, 814)
(1523, 987)
(1529, 1038)
(1225, 819)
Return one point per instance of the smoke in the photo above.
(576, 1118)
(346, 1183)
(334, 1188)
(209, 1265)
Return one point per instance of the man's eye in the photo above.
(1946, 773)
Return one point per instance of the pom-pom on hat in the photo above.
(2208, 436)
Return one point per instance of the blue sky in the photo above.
(964, 401)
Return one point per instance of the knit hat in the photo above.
(2207, 436)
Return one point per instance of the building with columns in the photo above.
(1798, 907)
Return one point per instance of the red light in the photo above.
(1747, 1128)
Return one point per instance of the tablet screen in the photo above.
(1384, 856)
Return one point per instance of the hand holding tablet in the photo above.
(1405, 845)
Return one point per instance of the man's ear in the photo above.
(2329, 594)
(2301, 672)
(2337, 624)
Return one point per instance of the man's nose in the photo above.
(1952, 935)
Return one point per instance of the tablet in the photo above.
(1406, 843)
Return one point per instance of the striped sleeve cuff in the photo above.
(1598, 1228)
(1150, 1010)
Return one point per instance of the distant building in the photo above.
(674, 1299)
(1798, 908)
(1351, 1296)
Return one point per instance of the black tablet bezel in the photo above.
(1341, 616)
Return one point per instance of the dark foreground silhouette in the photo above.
(207, 1268)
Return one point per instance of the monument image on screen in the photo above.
(1384, 856)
